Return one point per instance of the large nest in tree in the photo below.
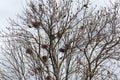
(62, 50)
(44, 46)
(29, 51)
(44, 58)
(36, 24)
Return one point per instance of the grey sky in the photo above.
(10, 8)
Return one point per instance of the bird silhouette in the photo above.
(85, 5)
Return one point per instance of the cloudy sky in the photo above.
(10, 8)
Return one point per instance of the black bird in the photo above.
(64, 16)
(85, 5)
(29, 26)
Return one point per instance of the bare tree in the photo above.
(62, 40)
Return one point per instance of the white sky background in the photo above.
(10, 8)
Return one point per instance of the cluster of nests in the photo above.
(37, 24)
(63, 49)
(44, 46)
(30, 52)
(57, 35)
(38, 70)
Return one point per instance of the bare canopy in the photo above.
(62, 40)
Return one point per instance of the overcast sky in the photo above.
(10, 8)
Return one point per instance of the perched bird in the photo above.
(64, 16)
(61, 57)
(29, 26)
(85, 5)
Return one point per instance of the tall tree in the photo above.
(62, 40)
